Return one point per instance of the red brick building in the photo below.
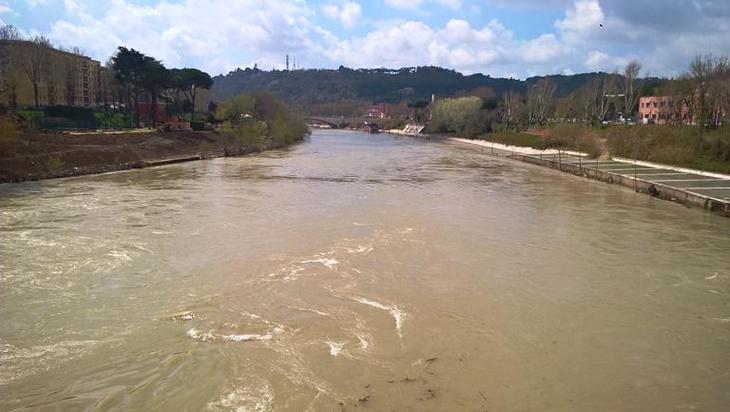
(663, 110)
(378, 111)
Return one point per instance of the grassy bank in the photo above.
(567, 137)
(515, 139)
(678, 146)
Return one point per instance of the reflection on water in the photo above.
(359, 271)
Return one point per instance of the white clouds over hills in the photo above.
(220, 35)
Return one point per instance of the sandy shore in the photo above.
(516, 149)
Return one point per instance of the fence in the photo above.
(595, 169)
(56, 123)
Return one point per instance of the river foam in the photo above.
(393, 310)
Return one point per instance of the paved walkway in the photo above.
(713, 185)
(707, 190)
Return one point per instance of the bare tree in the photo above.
(8, 75)
(540, 100)
(630, 89)
(704, 70)
(511, 101)
(34, 61)
(9, 32)
(595, 98)
(684, 101)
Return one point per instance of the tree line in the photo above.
(700, 96)
(128, 78)
(137, 77)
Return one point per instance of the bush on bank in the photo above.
(462, 116)
(674, 145)
(259, 118)
(516, 139)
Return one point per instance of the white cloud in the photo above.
(600, 61)
(585, 14)
(226, 36)
(543, 49)
(491, 48)
(415, 5)
(452, 4)
(35, 3)
(349, 14)
(404, 4)
(230, 34)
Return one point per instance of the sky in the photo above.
(501, 38)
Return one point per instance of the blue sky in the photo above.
(505, 38)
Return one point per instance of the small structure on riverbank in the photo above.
(410, 130)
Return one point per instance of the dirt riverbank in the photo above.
(45, 155)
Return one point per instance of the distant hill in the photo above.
(364, 86)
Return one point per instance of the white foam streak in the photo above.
(249, 398)
(364, 344)
(335, 347)
(393, 310)
(318, 312)
(330, 263)
(246, 338)
(361, 249)
(201, 336)
(210, 336)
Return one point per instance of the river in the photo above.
(358, 271)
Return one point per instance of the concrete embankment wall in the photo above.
(659, 190)
(640, 185)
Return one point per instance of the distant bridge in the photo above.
(340, 122)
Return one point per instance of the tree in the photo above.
(188, 81)
(9, 84)
(419, 107)
(684, 103)
(9, 32)
(153, 78)
(34, 61)
(127, 66)
(236, 109)
(630, 89)
(703, 71)
(511, 101)
(540, 101)
(595, 99)
(456, 115)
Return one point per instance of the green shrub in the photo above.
(263, 114)
(70, 112)
(516, 139)
(197, 126)
(674, 145)
(459, 115)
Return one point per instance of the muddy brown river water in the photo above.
(359, 272)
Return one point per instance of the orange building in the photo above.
(63, 78)
(378, 111)
(663, 110)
